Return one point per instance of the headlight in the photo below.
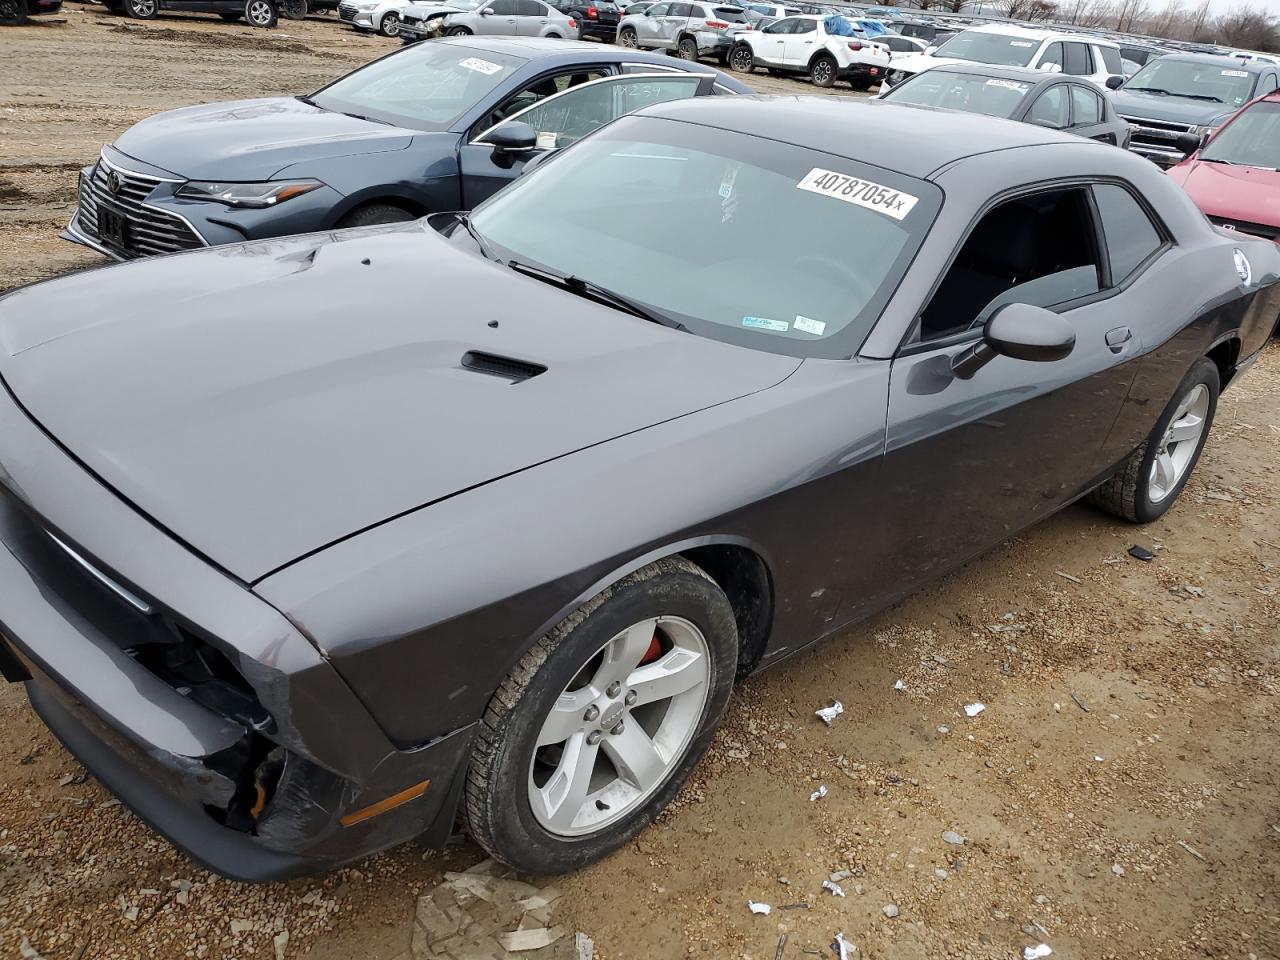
(248, 194)
(1204, 132)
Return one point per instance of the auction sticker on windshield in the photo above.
(1008, 84)
(873, 196)
(480, 66)
(1235, 73)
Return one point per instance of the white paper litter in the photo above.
(818, 794)
(843, 947)
(973, 709)
(827, 714)
(833, 887)
(899, 685)
(1034, 953)
(1099, 759)
(761, 908)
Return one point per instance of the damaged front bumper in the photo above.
(190, 698)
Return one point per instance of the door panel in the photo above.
(799, 47)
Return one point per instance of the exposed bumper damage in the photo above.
(212, 717)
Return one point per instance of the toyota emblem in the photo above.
(113, 182)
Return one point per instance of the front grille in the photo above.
(1156, 139)
(149, 231)
(1263, 230)
(347, 11)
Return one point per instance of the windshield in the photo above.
(1211, 82)
(427, 86)
(1252, 139)
(994, 96)
(997, 48)
(685, 211)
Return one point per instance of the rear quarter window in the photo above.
(1111, 59)
(1130, 235)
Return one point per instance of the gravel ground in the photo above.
(1117, 798)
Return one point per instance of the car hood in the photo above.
(264, 400)
(425, 10)
(917, 62)
(1156, 106)
(252, 139)
(1251, 194)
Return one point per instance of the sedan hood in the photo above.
(1157, 106)
(264, 400)
(1250, 194)
(919, 62)
(252, 139)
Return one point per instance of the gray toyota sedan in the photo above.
(312, 544)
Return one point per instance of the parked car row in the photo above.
(372, 530)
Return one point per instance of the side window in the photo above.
(804, 25)
(658, 10)
(1111, 60)
(566, 119)
(503, 8)
(540, 89)
(1050, 108)
(1266, 84)
(1079, 60)
(1130, 234)
(1086, 106)
(680, 10)
(530, 8)
(779, 26)
(1037, 249)
(1051, 58)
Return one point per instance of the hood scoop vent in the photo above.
(508, 368)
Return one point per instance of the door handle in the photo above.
(1118, 337)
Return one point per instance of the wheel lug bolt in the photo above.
(592, 712)
(617, 729)
(631, 697)
(614, 689)
(594, 737)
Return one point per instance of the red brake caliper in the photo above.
(654, 651)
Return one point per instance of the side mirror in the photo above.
(1189, 143)
(514, 136)
(1019, 331)
(487, 12)
(1115, 82)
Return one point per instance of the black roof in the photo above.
(904, 138)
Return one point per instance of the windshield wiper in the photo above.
(361, 116)
(1160, 90)
(481, 242)
(307, 100)
(593, 291)
(1200, 96)
(1229, 163)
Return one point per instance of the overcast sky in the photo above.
(1222, 6)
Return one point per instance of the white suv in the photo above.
(802, 45)
(1092, 58)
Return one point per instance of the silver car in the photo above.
(693, 30)
(511, 18)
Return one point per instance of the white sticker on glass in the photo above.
(1008, 84)
(864, 193)
(1022, 43)
(806, 325)
(547, 140)
(481, 66)
(764, 323)
(1235, 73)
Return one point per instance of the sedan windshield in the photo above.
(994, 96)
(979, 47)
(1251, 139)
(687, 214)
(1211, 82)
(427, 86)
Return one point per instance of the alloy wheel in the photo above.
(1177, 448)
(143, 9)
(390, 25)
(823, 73)
(619, 728)
(259, 13)
(741, 60)
(628, 39)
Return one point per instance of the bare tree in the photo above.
(1249, 28)
(1041, 10)
(955, 6)
(1129, 13)
(1084, 13)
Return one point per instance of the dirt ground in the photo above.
(1118, 798)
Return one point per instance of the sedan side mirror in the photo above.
(515, 136)
(487, 12)
(1019, 331)
(1115, 82)
(1188, 143)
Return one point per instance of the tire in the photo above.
(822, 72)
(261, 13)
(741, 59)
(13, 13)
(457, 32)
(687, 49)
(1137, 492)
(375, 213)
(554, 36)
(293, 9)
(501, 789)
(231, 17)
(389, 26)
(863, 84)
(627, 38)
(142, 9)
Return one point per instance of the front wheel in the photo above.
(142, 9)
(822, 72)
(627, 38)
(13, 12)
(597, 727)
(261, 13)
(390, 25)
(741, 59)
(375, 213)
(457, 32)
(687, 49)
(1152, 477)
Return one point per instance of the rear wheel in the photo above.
(13, 12)
(390, 25)
(861, 84)
(741, 59)
(293, 9)
(1153, 476)
(142, 9)
(597, 727)
(822, 72)
(261, 13)
(374, 213)
(687, 49)
(627, 38)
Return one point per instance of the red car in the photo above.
(1234, 178)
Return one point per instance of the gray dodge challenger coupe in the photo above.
(313, 543)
